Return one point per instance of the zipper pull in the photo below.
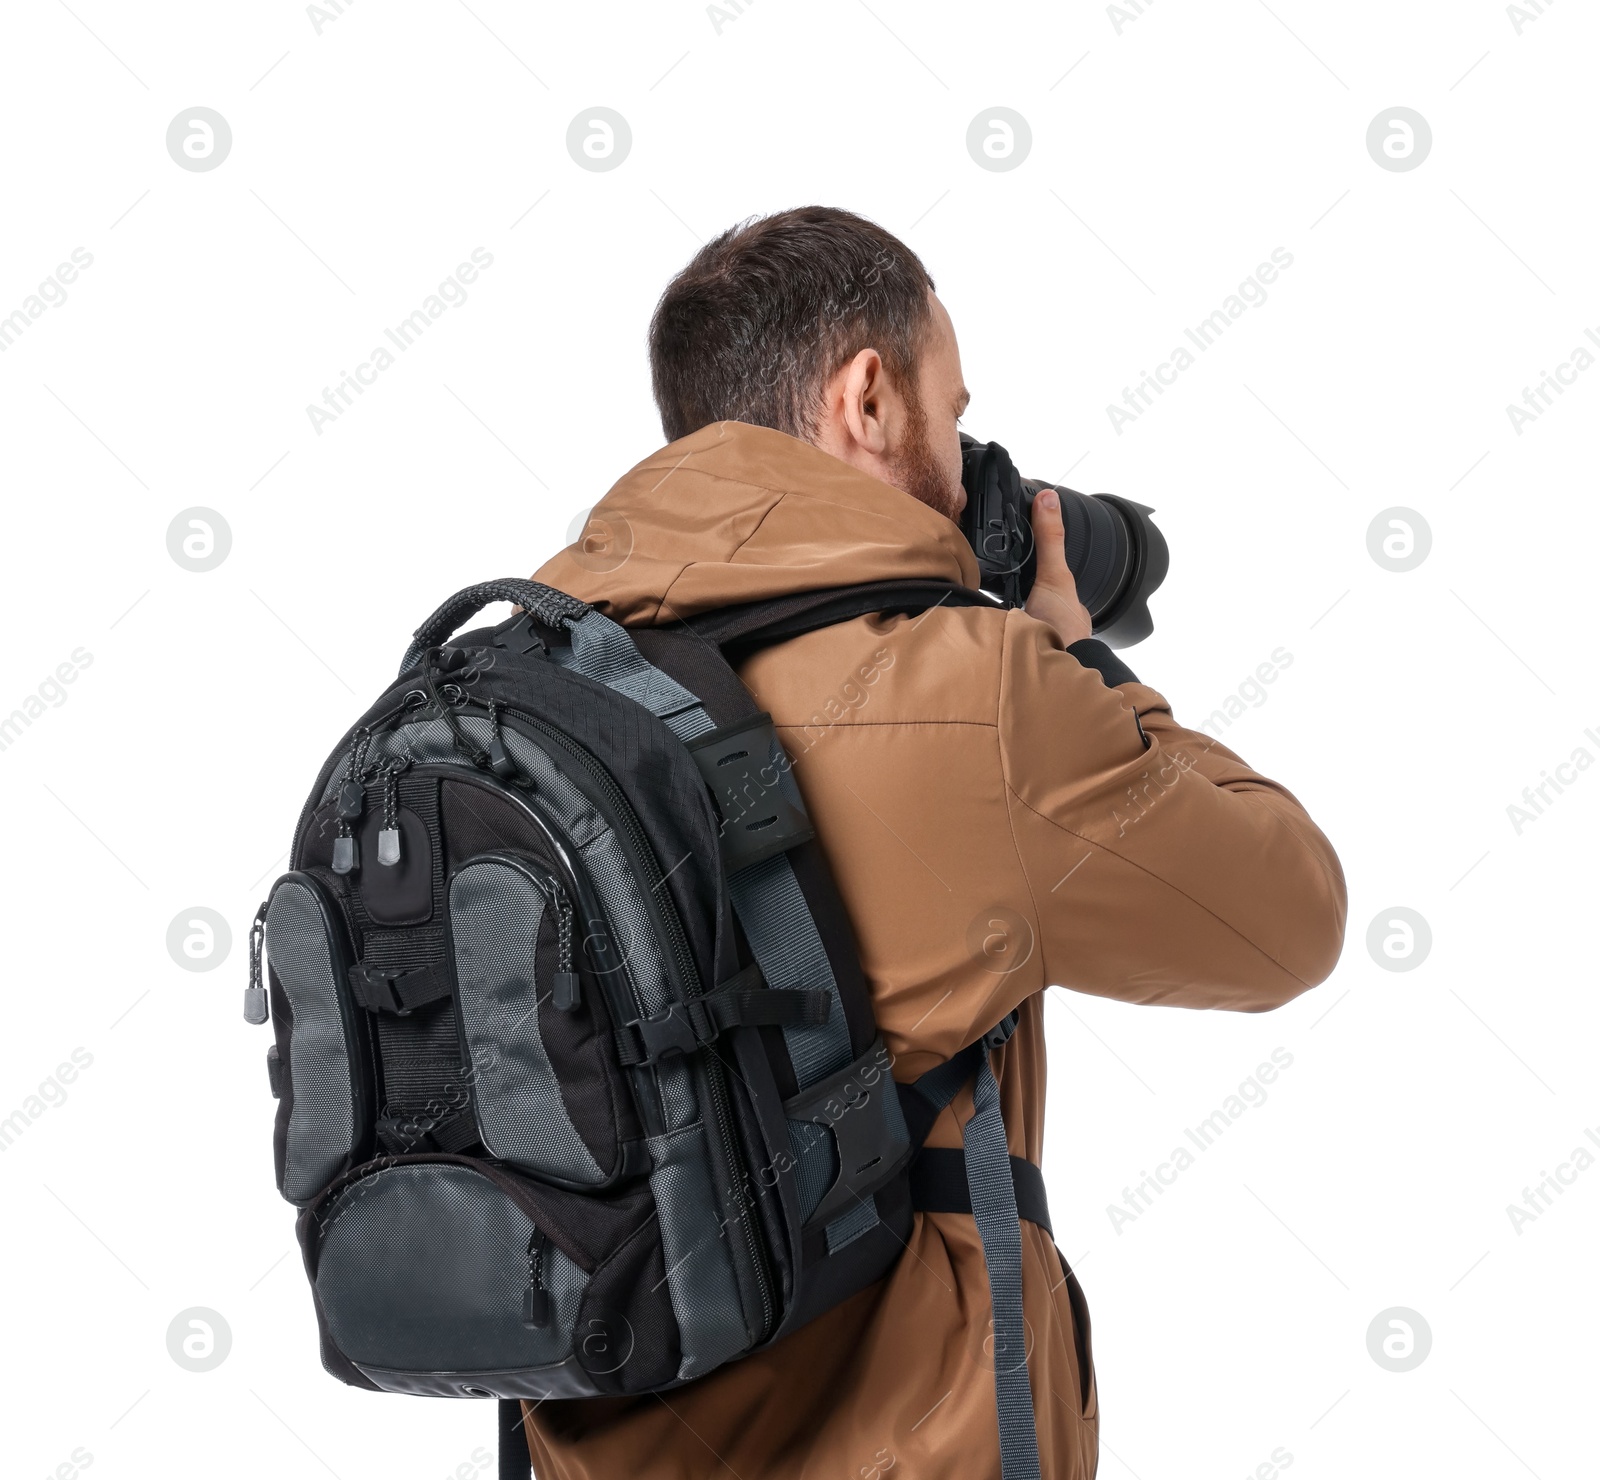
(352, 802)
(389, 835)
(536, 1299)
(564, 990)
(255, 995)
(501, 761)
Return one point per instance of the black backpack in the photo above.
(579, 1089)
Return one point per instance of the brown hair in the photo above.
(763, 316)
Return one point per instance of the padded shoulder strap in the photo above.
(739, 629)
(786, 903)
(682, 673)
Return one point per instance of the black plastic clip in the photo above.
(997, 1036)
(750, 776)
(667, 1033)
(743, 1001)
(873, 1144)
(520, 636)
(397, 990)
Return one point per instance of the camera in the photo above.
(1114, 550)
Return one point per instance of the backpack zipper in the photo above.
(371, 724)
(536, 1298)
(716, 1073)
(639, 843)
(666, 912)
(256, 1010)
(716, 1078)
(564, 989)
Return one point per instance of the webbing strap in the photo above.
(784, 939)
(939, 1185)
(742, 1003)
(768, 900)
(399, 989)
(994, 1209)
(516, 1460)
(603, 651)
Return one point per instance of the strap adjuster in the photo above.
(743, 1001)
(400, 990)
(759, 806)
(871, 1142)
(996, 1036)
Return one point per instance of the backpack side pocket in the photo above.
(325, 1113)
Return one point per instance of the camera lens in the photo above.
(1099, 544)
(1115, 552)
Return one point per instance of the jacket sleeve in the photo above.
(1162, 868)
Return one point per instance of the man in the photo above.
(1004, 805)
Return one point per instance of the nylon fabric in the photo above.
(994, 1209)
(700, 1278)
(768, 901)
(495, 914)
(553, 608)
(784, 940)
(426, 1089)
(603, 651)
(629, 937)
(322, 1123)
(422, 1268)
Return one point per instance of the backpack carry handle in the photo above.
(551, 607)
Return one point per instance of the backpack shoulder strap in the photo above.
(739, 630)
(781, 891)
(798, 931)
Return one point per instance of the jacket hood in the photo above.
(735, 513)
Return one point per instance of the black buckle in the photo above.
(519, 635)
(997, 1035)
(378, 990)
(671, 1032)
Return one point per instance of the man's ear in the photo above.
(865, 397)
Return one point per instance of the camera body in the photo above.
(1114, 550)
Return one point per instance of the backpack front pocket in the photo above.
(536, 1036)
(447, 1276)
(428, 1274)
(325, 1112)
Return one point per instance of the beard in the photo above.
(918, 472)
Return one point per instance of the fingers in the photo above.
(1054, 598)
(1050, 538)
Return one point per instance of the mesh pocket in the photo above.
(548, 1094)
(326, 1111)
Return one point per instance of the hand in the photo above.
(1054, 598)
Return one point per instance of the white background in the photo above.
(1168, 160)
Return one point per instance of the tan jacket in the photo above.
(997, 823)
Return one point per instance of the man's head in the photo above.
(818, 323)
